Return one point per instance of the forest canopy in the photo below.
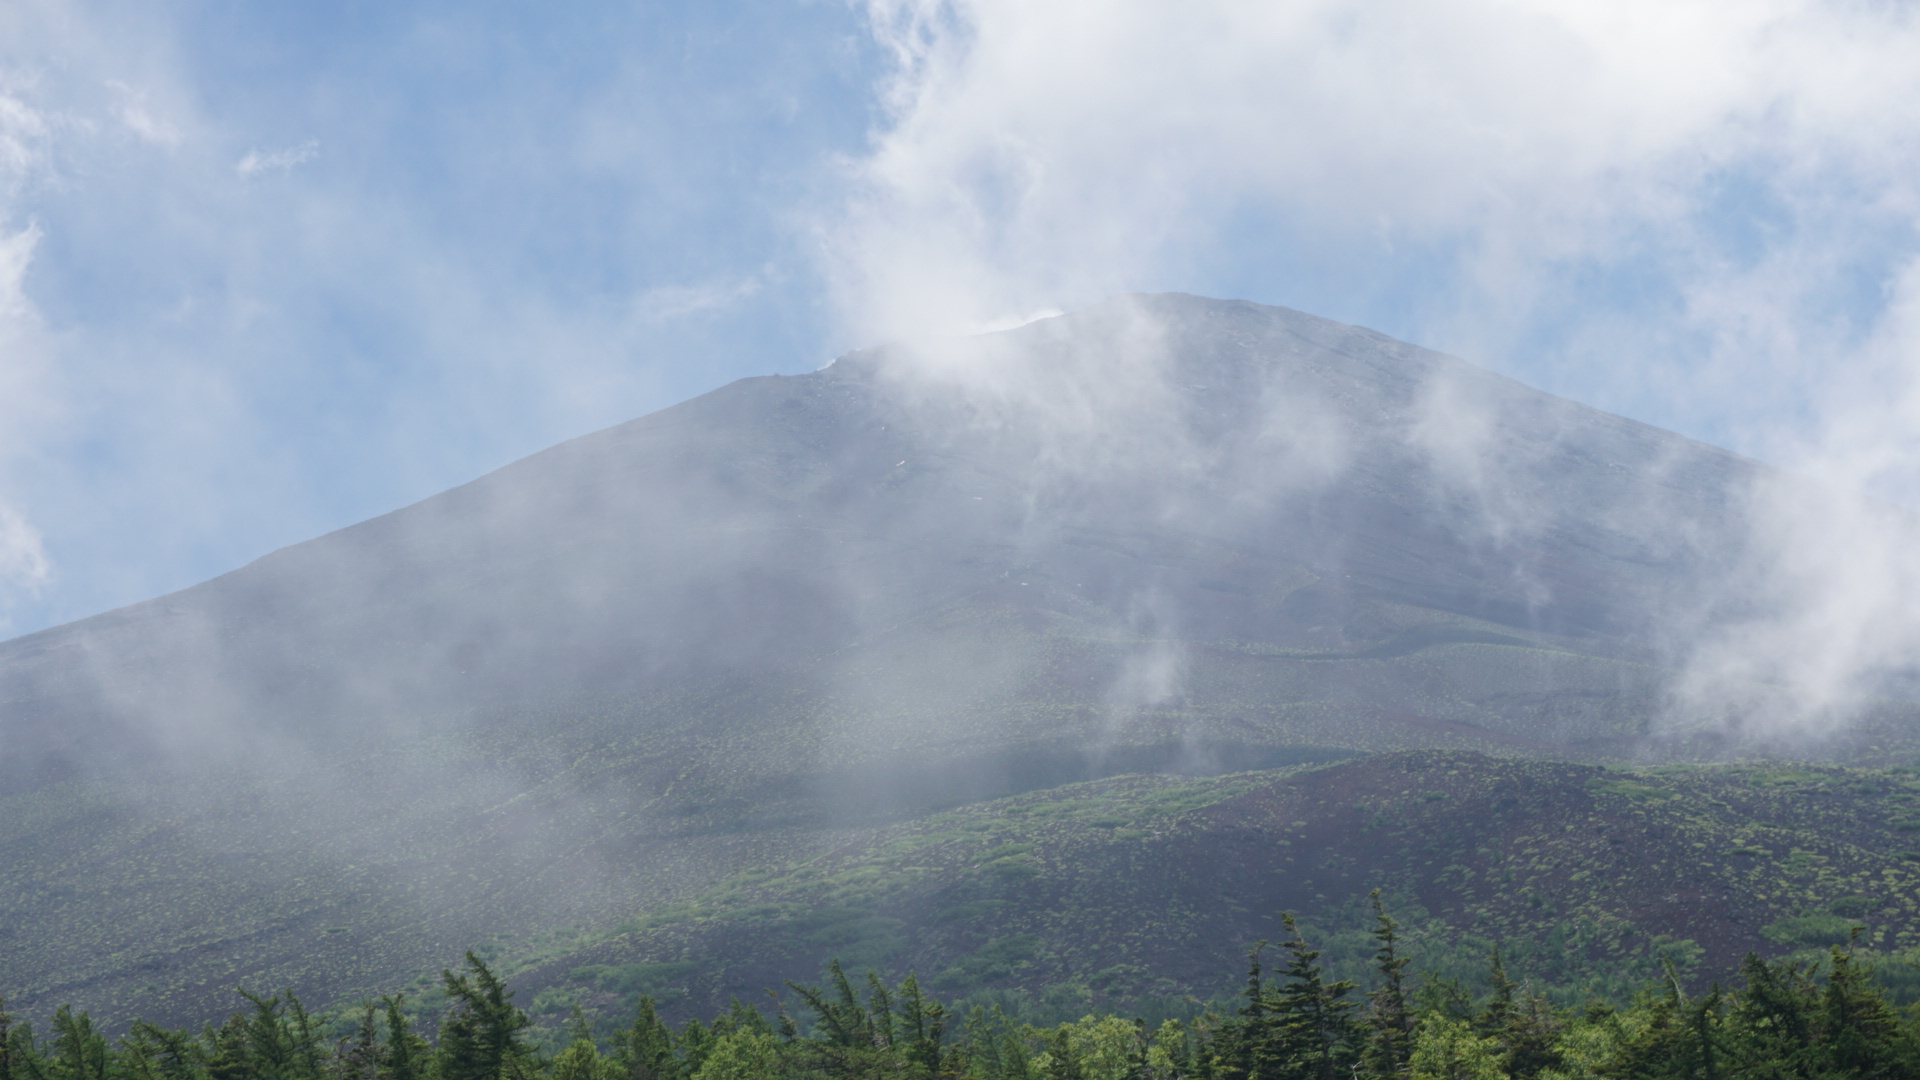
(1787, 1019)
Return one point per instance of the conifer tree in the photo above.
(362, 1056)
(923, 1024)
(79, 1052)
(849, 1038)
(25, 1057)
(581, 1059)
(1391, 1045)
(845, 1022)
(1063, 1063)
(407, 1054)
(305, 1041)
(1772, 1015)
(1531, 1039)
(880, 1009)
(1244, 1044)
(1853, 1025)
(1703, 1019)
(480, 1038)
(1675, 1040)
(983, 1046)
(1140, 1062)
(1174, 1043)
(1438, 996)
(269, 1050)
(1497, 1014)
(994, 1049)
(151, 1052)
(1318, 1039)
(226, 1050)
(695, 1042)
(744, 1017)
(646, 1048)
(6, 1040)
(1448, 1049)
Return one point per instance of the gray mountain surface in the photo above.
(1164, 533)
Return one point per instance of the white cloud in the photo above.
(1707, 213)
(138, 118)
(1033, 155)
(1833, 590)
(23, 352)
(1013, 322)
(1042, 151)
(265, 161)
(23, 559)
(664, 303)
(22, 130)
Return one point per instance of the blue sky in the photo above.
(270, 269)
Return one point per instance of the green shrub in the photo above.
(1809, 930)
(632, 980)
(1630, 789)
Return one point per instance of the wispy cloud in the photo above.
(136, 114)
(24, 355)
(1698, 213)
(1704, 214)
(257, 162)
(1063, 150)
(23, 558)
(664, 303)
(239, 347)
(22, 134)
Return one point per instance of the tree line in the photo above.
(1778, 1020)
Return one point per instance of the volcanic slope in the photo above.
(888, 537)
(1139, 887)
(1162, 534)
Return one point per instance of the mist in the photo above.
(1024, 508)
(1698, 217)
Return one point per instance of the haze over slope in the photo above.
(1162, 533)
(1175, 467)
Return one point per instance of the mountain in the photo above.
(1162, 535)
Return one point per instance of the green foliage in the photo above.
(1628, 788)
(1822, 1019)
(994, 961)
(743, 1055)
(631, 982)
(6, 1040)
(1817, 929)
(1570, 868)
(185, 874)
(481, 1036)
(1044, 900)
(1448, 1049)
(1390, 1017)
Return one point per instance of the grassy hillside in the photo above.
(361, 859)
(359, 863)
(1139, 887)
